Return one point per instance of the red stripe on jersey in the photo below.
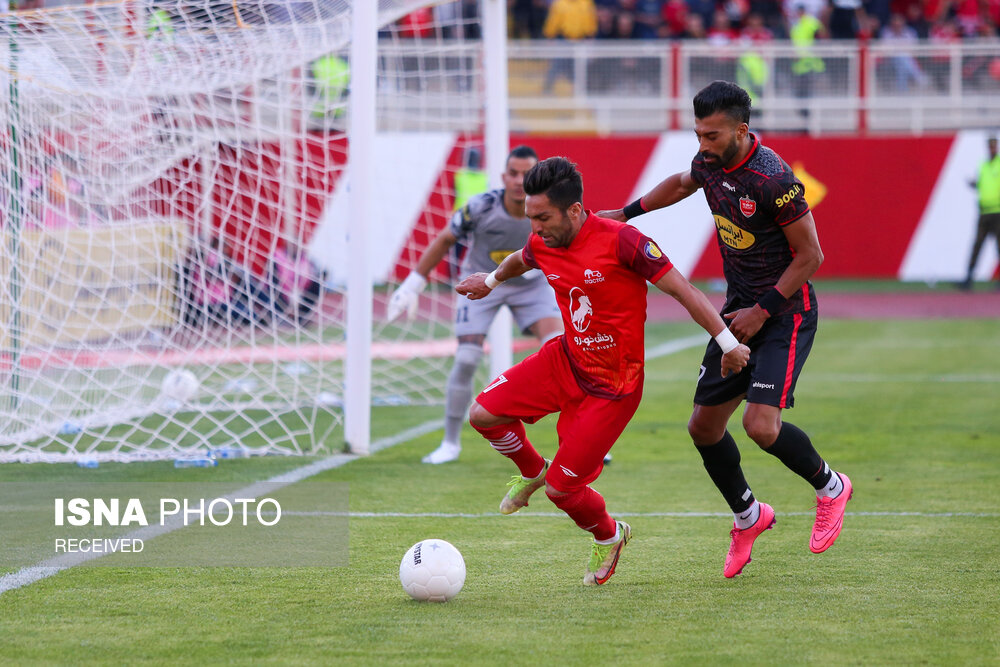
(806, 305)
(790, 370)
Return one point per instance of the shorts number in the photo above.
(462, 315)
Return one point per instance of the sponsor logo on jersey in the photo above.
(747, 206)
(792, 193)
(552, 277)
(652, 251)
(733, 236)
(729, 186)
(580, 310)
(761, 385)
(595, 339)
(500, 255)
(496, 383)
(591, 276)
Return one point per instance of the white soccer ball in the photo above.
(180, 385)
(432, 570)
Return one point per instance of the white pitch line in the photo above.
(47, 568)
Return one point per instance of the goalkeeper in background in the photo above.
(491, 225)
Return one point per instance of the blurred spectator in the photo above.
(804, 31)
(529, 17)
(695, 28)
(720, 33)
(754, 31)
(606, 22)
(846, 18)
(572, 20)
(904, 67)
(674, 15)
(703, 8)
(772, 11)
(645, 16)
(625, 26)
(943, 33)
(736, 12)
(916, 20)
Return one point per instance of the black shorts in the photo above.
(777, 354)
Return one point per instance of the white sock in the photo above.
(748, 517)
(618, 536)
(832, 488)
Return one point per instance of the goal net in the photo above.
(174, 207)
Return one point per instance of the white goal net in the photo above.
(172, 201)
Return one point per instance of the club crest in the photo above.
(747, 207)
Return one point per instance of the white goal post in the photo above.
(201, 218)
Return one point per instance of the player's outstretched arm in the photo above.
(479, 285)
(406, 297)
(735, 355)
(669, 191)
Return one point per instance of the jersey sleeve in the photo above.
(528, 255)
(786, 201)
(641, 254)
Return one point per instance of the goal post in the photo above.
(175, 202)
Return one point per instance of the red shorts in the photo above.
(588, 426)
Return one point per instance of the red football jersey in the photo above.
(600, 286)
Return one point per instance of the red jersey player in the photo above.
(592, 374)
(767, 238)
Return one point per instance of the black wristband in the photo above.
(772, 301)
(634, 210)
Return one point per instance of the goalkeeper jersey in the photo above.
(490, 233)
(600, 285)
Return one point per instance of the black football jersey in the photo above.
(751, 203)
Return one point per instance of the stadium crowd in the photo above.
(725, 21)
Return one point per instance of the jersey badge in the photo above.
(652, 251)
(747, 206)
(500, 255)
(733, 236)
(580, 310)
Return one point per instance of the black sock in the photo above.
(722, 461)
(795, 450)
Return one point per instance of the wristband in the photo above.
(634, 210)
(491, 280)
(727, 341)
(772, 301)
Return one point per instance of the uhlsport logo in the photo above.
(733, 236)
(762, 385)
(580, 310)
(592, 276)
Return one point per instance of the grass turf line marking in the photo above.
(47, 568)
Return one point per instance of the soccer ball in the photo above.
(432, 570)
(180, 385)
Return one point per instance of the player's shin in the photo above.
(458, 390)
(511, 441)
(586, 507)
(722, 461)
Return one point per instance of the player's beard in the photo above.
(721, 161)
(560, 238)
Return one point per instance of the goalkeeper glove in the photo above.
(406, 297)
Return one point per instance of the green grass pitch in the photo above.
(909, 409)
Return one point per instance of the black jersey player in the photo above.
(767, 238)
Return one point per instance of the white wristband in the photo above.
(491, 280)
(727, 341)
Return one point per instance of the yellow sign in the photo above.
(91, 283)
(815, 188)
(733, 236)
(500, 255)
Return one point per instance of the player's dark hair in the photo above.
(522, 151)
(557, 178)
(724, 96)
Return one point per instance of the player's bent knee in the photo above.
(480, 417)
(552, 492)
(762, 433)
(704, 433)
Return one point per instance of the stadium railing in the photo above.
(843, 87)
